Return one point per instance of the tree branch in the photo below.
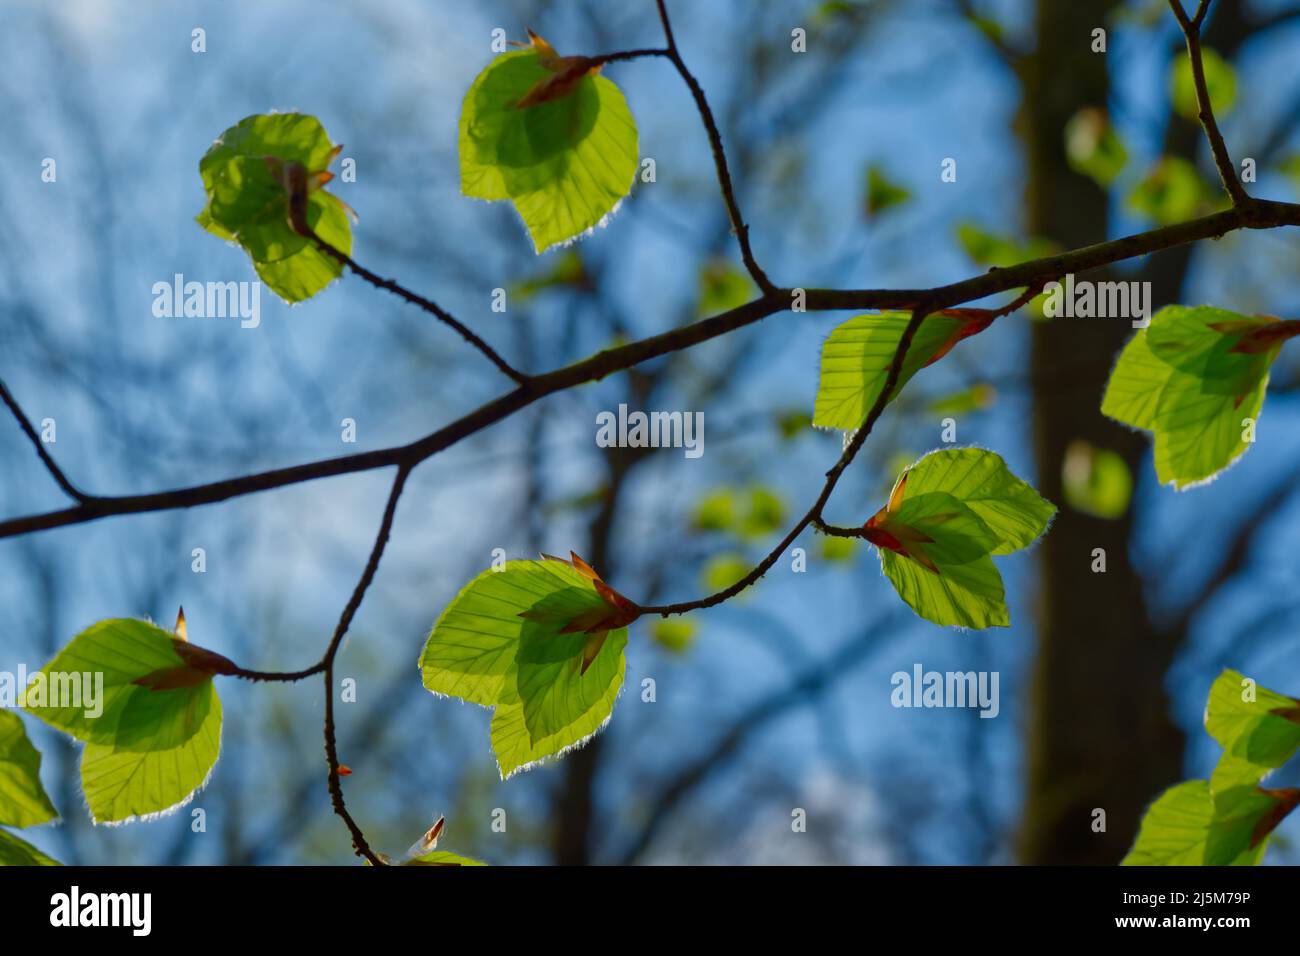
(1260, 214)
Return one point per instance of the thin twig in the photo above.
(428, 305)
(359, 592)
(1192, 33)
(51, 466)
(832, 478)
(285, 677)
(738, 225)
(622, 55)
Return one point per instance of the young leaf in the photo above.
(1220, 82)
(1096, 481)
(153, 693)
(153, 734)
(948, 513)
(1172, 191)
(857, 356)
(123, 784)
(263, 178)
(722, 287)
(1176, 831)
(1093, 147)
(1263, 731)
(981, 480)
(882, 193)
(542, 642)
(443, 858)
(1244, 817)
(16, 852)
(552, 136)
(513, 742)
(676, 635)
(425, 852)
(1196, 377)
(23, 801)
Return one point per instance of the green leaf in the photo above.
(723, 287)
(882, 193)
(1134, 388)
(1201, 341)
(1177, 828)
(122, 784)
(947, 515)
(792, 424)
(1200, 432)
(858, 354)
(125, 712)
(765, 513)
(154, 731)
(513, 743)
(1244, 817)
(1185, 379)
(1096, 481)
(964, 595)
(248, 202)
(16, 852)
(964, 402)
(564, 163)
(568, 271)
(443, 858)
(716, 511)
(23, 801)
(723, 570)
(552, 686)
(472, 648)
(838, 550)
(981, 480)
(483, 650)
(674, 634)
(1220, 82)
(1092, 146)
(989, 249)
(1173, 191)
(1263, 730)
(1291, 168)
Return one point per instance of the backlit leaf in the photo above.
(17, 852)
(857, 356)
(947, 515)
(248, 175)
(157, 732)
(542, 642)
(23, 801)
(1176, 829)
(565, 162)
(1264, 730)
(1220, 82)
(1196, 377)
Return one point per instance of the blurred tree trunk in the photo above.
(1099, 735)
